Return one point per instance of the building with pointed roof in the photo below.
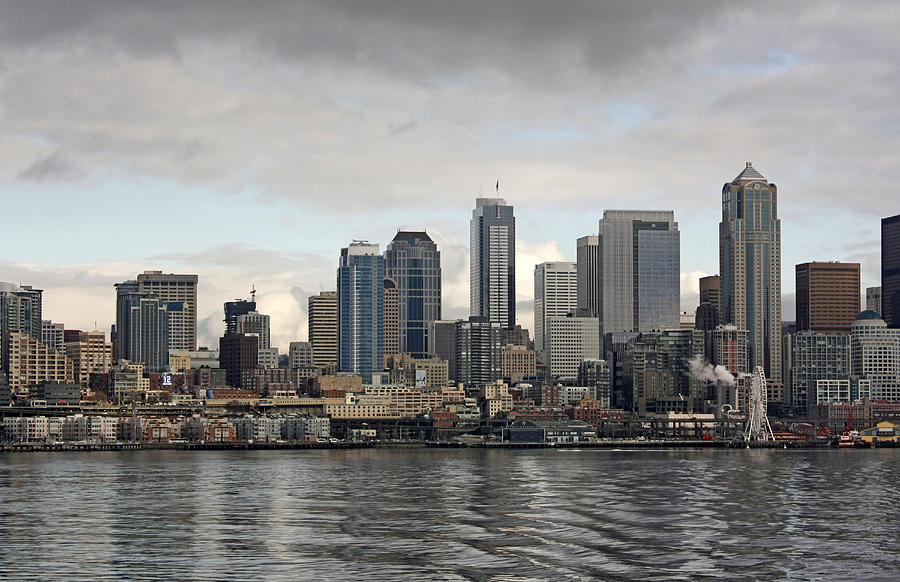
(750, 266)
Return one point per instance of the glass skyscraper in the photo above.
(750, 266)
(360, 295)
(640, 270)
(413, 261)
(492, 266)
(890, 270)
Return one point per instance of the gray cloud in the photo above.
(52, 167)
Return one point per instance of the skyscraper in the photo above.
(360, 293)
(391, 318)
(890, 270)
(640, 258)
(492, 266)
(827, 296)
(179, 294)
(413, 261)
(21, 308)
(589, 289)
(750, 266)
(478, 357)
(322, 322)
(149, 332)
(555, 295)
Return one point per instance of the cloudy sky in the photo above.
(248, 142)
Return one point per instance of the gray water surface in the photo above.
(451, 515)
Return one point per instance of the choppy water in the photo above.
(451, 515)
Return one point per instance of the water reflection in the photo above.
(450, 515)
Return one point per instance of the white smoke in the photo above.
(702, 370)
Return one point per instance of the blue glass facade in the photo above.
(360, 293)
(414, 262)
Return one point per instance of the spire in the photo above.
(750, 175)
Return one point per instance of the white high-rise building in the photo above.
(875, 355)
(555, 295)
(492, 267)
(179, 295)
(571, 340)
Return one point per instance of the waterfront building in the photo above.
(323, 329)
(873, 299)
(875, 356)
(88, 354)
(413, 261)
(750, 266)
(233, 309)
(570, 341)
(816, 356)
(827, 296)
(890, 270)
(492, 262)
(360, 292)
(555, 295)
(179, 295)
(641, 270)
(588, 268)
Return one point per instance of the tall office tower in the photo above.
(478, 359)
(413, 260)
(641, 270)
(148, 333)
(710, 290)
(555, 295)
(589, 290)
(300, 354)
(442, 344)
(873, 299)
(179, 294)
(875, 355)
(237, 352)
(127, 296)
(391, 318)
(816, 356)
(89, 353)
(728, 346)
(32, 362)
(52, 334)
(20, 311)
(323, 329)
(492, 266)
(827, 296)
(360, 292)
(890, 270)
(750, 266)
(233, 309)
(570, 340)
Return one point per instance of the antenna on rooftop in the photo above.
(252, 292)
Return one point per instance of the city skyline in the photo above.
(314, 136)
